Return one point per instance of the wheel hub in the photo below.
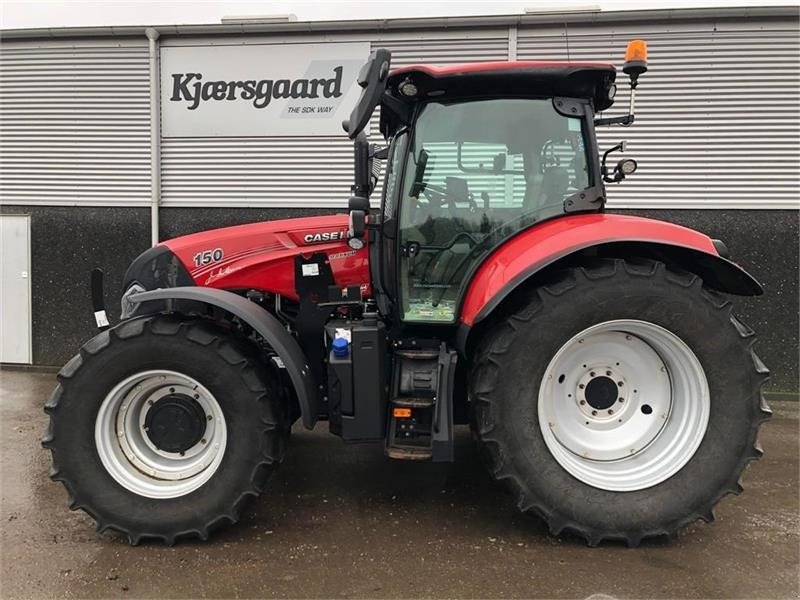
(175, 423)
(601, 392)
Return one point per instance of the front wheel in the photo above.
(620, 402)
(162, 427)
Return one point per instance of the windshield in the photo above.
(477, 173)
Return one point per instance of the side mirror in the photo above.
(361, 188)
(372, 79)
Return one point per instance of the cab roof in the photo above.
(509, 78)
(505, 79)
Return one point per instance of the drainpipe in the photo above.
(155, 135)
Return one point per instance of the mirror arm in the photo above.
(361, 170)
(379, 153)
(603, 168)
(623, 120)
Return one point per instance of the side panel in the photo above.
(261, 255)
(543, 244)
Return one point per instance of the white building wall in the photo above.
(718, 117)
(74, 123)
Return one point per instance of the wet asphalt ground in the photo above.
(343, 521)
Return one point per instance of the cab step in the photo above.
(413, 402)
(409, 453)
(422, 354)
(420, 423)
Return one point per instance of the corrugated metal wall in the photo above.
(717, 115)
(718, 119)
(74, 123)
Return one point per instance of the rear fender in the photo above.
(533, 250)
(262, 322)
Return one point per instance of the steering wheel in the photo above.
(469, 235)
(432, 263)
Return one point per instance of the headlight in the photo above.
(627, 166)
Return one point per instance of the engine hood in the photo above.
(255, 256)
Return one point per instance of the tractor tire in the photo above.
(621, 401)
(162, 428)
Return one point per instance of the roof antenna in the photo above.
(566, 30)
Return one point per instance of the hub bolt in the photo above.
(594, 413)
(583, 402)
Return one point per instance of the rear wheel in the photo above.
(163, 428)
(620, 402)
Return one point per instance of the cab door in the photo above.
(477, 173)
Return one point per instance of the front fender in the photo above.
(267, 327)
(532, 250)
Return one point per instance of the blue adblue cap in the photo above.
(340, 347)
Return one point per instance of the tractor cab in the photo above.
(476, 154)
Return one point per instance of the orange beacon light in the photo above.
(635, 60)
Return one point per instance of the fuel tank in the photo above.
(262, 255)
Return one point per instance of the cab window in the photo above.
(478, 172)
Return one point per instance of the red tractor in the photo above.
(604, 376)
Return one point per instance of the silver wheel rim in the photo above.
(127, 452)
(653, 426)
